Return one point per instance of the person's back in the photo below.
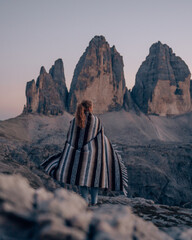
(88, 159)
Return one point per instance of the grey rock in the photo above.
(162, 83)
(15, 160)
(16, 208)
(118, 222)
(162, 216)
(64, 215)
(28, 139)
(129, 104)
(42, 70)
(99, 77)
(49, 94)
(18, 200)
(57, 73)
(40, 214)
(174, 221)
(157, 152)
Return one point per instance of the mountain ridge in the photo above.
(162, 84)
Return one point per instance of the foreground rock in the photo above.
(99, 77)
(172, 220)
(118, 222)
(49, 94)
(38, 214)
(162, 83)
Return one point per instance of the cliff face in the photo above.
(162, 83)
(99, 77)
(49, 94)
(129, 104)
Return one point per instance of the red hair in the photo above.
(82, 108)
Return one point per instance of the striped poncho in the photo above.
(88, 159)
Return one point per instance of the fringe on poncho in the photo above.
(88, 159)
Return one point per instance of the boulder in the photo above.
(39, 214)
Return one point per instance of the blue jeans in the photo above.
(94, 194)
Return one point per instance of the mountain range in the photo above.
(162, 84)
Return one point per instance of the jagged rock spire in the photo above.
(162, 83)
(98, 76)
(49, 94)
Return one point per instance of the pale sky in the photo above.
(35, 33)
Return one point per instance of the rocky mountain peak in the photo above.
(57, 70)
(98, 41)
(113, 49)
(99, 77)
(159, 46)
(49, 94)
(162, 83)
(42, 70)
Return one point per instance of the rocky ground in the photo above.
(157, 152)
(170, 219)
(26, 213)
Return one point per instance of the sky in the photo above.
(35, 33)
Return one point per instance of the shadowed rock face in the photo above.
(99, 77)
(129, 104)
(162, 83)
(49, 94)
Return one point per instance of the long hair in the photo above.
(82, 108)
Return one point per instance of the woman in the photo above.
(88, 159)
